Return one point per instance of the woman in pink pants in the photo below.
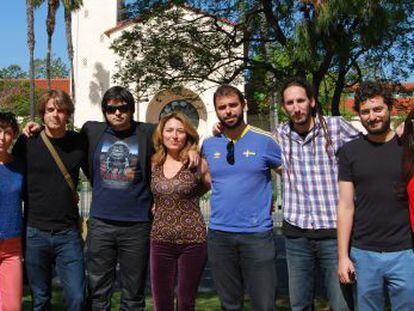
(11, 181)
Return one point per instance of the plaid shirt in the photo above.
(310, 172)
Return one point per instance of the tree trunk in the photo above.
(68, 25)
(31, 45)
(339, 87)
(52, 6)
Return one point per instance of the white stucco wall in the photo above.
(94, 64)
(93, 60)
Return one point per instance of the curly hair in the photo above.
(9, 119)
(371, 89)
(160, 153)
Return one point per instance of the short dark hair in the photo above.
(300, 82)
(60, 98)
(228, 90)
(371, 89)
(9, 119)
(119, 93)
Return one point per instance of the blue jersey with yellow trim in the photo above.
(241, 194)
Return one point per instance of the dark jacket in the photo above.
(94, 130)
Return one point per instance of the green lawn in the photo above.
(205, 302)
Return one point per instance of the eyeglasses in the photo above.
(230, 153)
(112, 109)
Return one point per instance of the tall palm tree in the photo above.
(52, 6)
(70, 6)
(31, 45)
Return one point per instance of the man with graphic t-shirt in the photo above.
(119, 157)
(371, 214)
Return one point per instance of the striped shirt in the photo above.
(310, 172)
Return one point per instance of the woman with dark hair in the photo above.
(178, 235)
(11, 181)
(408, 162)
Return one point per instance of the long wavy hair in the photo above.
(161, 151)
(407, 140)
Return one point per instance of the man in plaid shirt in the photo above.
(309, 144)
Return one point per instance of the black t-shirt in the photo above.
(49, 204)
(381, 219)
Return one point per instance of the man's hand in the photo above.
(31, 128)
(346, 271)
(217, 129)
(400, 129)
(193, 158)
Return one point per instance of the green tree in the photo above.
(15, 97)
(12, 72)
(329, 42)
(52, 6)
(70, 6)
(31, 44)
(56, 69)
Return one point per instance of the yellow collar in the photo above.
(246, 129)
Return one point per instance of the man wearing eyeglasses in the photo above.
(119, 152)
(241, 247)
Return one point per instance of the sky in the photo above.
(13, 34)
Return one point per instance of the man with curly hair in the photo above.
(374, 237)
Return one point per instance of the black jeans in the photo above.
(109, 243)
(239, 260)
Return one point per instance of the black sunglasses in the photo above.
(230, 153)
(112, 109)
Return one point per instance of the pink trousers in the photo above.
(11, 276)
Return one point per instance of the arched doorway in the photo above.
(183, 100)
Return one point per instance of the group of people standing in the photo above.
(147, 181)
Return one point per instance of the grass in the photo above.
(205, 302)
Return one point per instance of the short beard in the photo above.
(233, 126)
(382, 130)
(306, 120)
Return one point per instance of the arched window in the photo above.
(183, 106)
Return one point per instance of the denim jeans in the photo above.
(112, 242)
(379, 271)
(240, 260)
(63, 250)
(302, 255)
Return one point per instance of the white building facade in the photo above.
(94, 27)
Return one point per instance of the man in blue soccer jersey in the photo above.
(241, 247)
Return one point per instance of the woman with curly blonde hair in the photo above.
(178, 235)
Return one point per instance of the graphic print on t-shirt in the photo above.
(118, 161)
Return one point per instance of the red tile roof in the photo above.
(55, 84)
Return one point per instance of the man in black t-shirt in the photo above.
(51, 213)
(370, 211)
